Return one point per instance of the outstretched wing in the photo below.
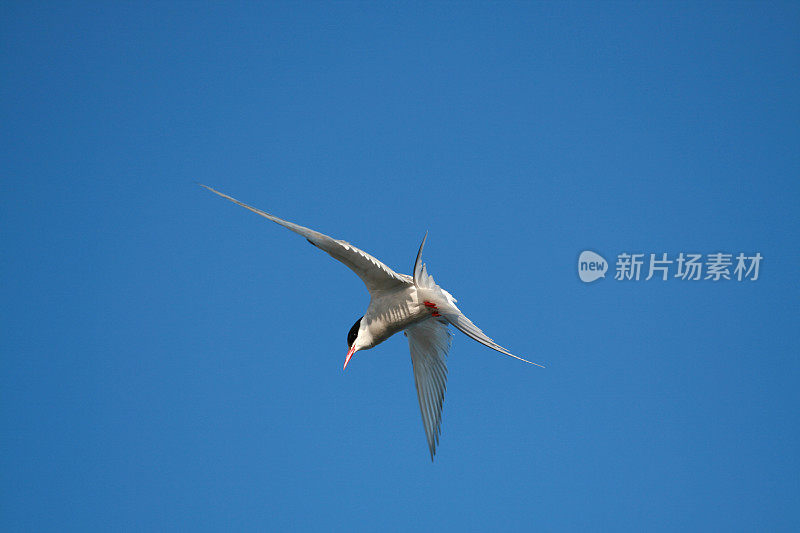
(375, 275)
(429, 342)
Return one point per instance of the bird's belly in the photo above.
(390, 314)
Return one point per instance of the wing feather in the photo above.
(375, 275)
(429, 342)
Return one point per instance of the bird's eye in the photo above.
(351, 336)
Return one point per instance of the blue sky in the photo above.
(172, 362)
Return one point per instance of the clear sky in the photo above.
(170, 361)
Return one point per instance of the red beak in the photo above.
(349, 355)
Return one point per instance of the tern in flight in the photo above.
(415, 305)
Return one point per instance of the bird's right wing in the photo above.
(375, 275)
(429, 342)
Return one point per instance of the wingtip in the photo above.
(526, 361)
(531, 362)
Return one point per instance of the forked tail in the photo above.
(445, 306)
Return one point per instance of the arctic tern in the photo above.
(415, 305)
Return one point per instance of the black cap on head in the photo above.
(351, 336)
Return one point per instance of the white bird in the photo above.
(415, 305)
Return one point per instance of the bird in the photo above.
(413, 304)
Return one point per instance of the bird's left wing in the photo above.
(429, 342)
(375, 275)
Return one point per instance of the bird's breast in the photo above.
(390, 313)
